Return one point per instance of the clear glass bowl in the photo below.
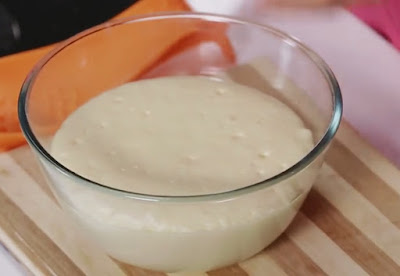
(180, 233)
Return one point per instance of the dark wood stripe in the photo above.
(350, 239)
(291, 258)
(30, 239)
(373, 188)
(131, 270)
(233, 270)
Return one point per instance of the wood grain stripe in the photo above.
(23, 156)
(372, 259)
(382, 196)
(370, 156)
(321, 249)
(261, 265)
(131, 270)
(291, 258)
(45, 254)
(7, 242)
(234, 270)
(360, 212)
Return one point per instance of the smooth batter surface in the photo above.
(182, 136)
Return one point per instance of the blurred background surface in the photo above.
(27, 24)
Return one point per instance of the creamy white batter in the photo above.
(183, 136)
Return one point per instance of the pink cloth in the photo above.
(384, 17)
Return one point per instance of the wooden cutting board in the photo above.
(349, 224)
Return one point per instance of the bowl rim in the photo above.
(225, 195)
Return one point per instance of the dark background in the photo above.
(27, 24)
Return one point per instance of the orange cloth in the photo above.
(14, 68)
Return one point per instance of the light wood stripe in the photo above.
(360, 212)
(18, 254)
(291, 259)
(24, 157)
(38, 207)
(261, 265)
(33, 242)
(234, 270)
(365, 181)
(131, 270)
(349, 238)
(322, 250)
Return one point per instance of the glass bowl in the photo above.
(191, 232)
